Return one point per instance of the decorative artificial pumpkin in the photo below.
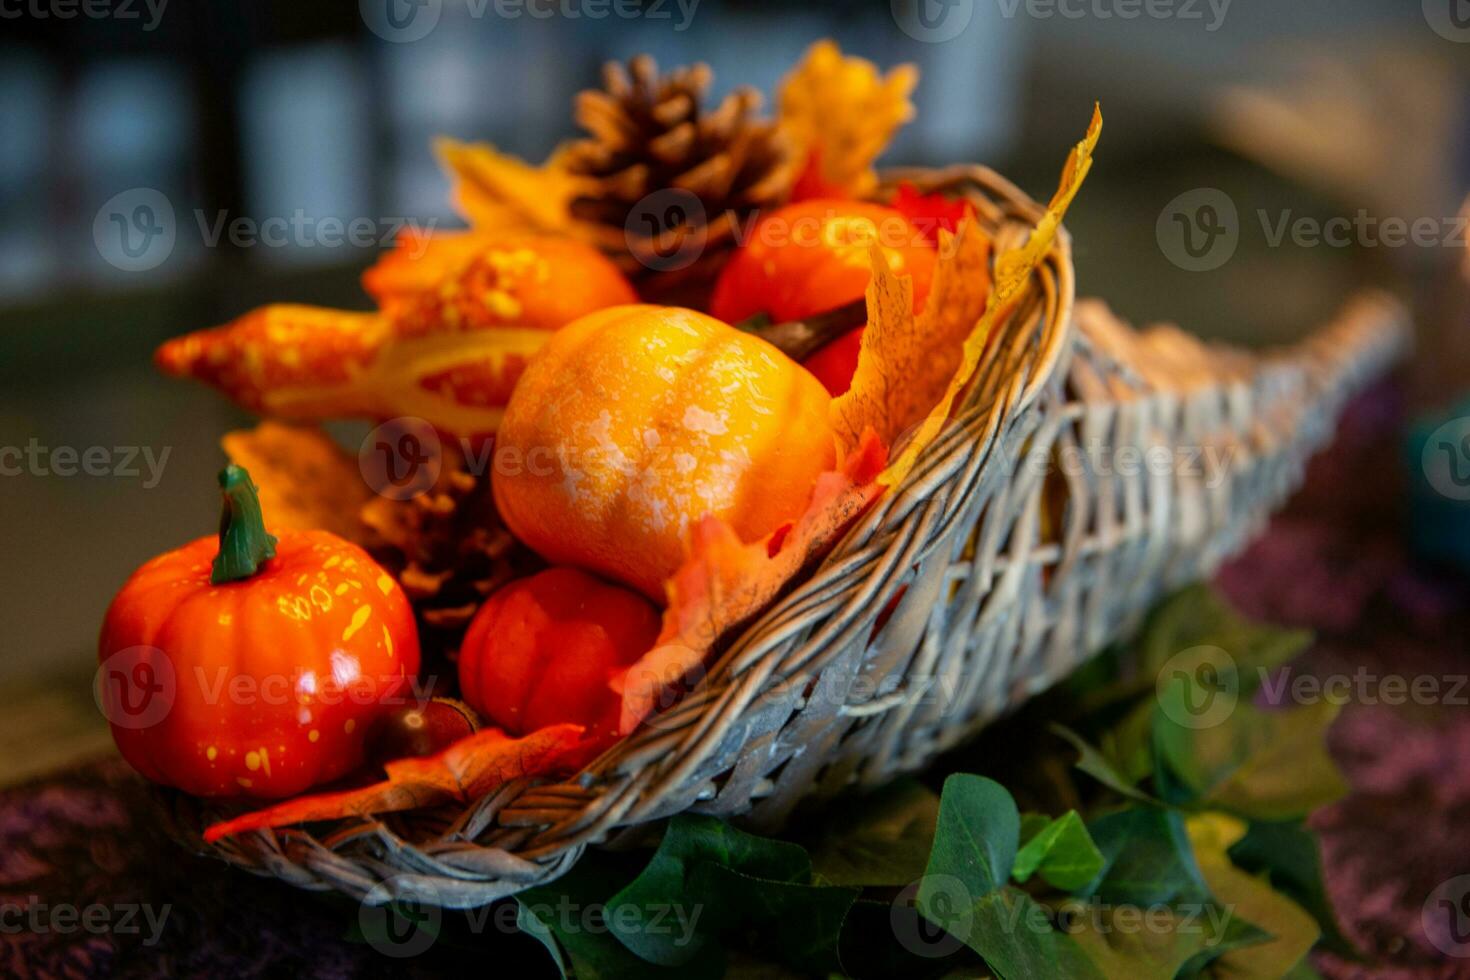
(543, 651)
(634, 422)
(251, 664)
(813, 256)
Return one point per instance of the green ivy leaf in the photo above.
(1292, 931)
(570, 918)
(1198, 616)
(1013, 933)
(734, 887)
(798, 925)
(964, 888)
(882, 840)
(1156, 943)
(977, 834)
(1289, 855)
(1062, 851)
(1265, 765)
(1147, 859)
(1096, 765)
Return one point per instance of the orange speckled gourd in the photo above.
(636, 421)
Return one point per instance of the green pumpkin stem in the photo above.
(243, 542)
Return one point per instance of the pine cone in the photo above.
(447, 547)
(650, 133)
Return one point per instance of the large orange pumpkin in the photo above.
(634, 422)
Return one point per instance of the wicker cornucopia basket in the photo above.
(1087, 470)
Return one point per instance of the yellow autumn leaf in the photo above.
(1012, 273)
(846, 111)
(495, 190)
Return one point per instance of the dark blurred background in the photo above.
(298, 118)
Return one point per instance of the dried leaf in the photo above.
(725, 581)
(498, 192)
(906, 362)
(840, 112)
(463, 772)
(1011, 275)
(305, 480)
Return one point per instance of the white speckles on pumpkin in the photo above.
(244, 782)
(320, 598)
(211, 753)
(385, 584)
(332, 562)
(388, 641)
(697, 419)
(313, 735)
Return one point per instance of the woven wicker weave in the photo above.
(994, 574)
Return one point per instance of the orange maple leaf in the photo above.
(906, 361)
(725, 582)
(463, 772)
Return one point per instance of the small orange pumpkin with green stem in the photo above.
(253, 664)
